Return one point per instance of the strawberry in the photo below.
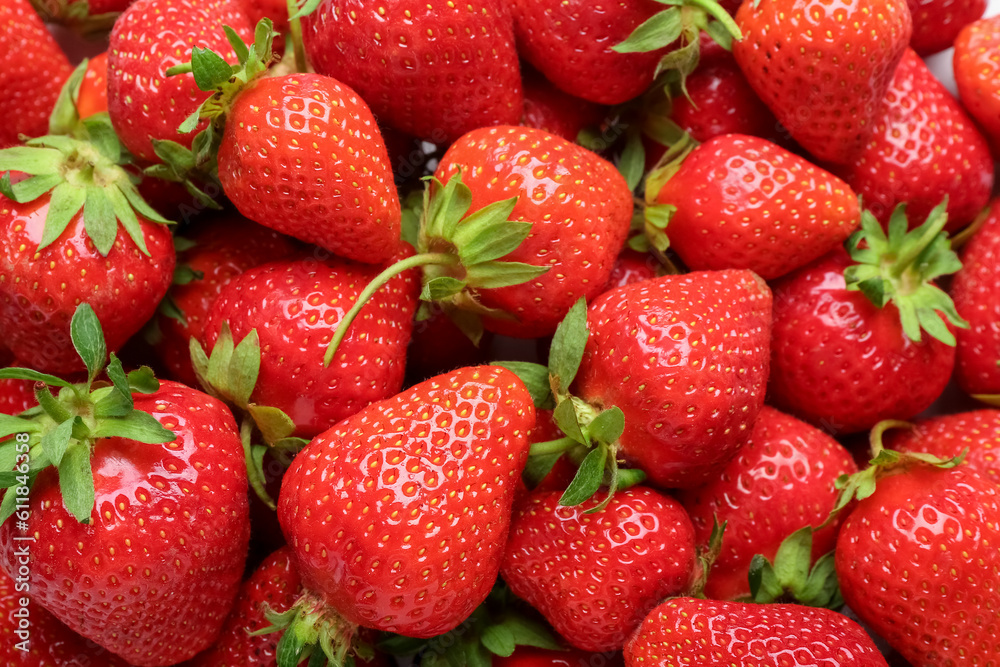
(936, 23)
(764, 208)
(823, 71)
(781, 481)
(276, 10)
(847, 349)
(633, 267)
(550, 109)
(30, 86)
(978, 357)
(923, 148)
(16, 396)
(139, 542)
(917, 560)
(595, 576)
(527, 656)
(947, 436)
(688, 630)
(90, 18)
(93, 97)
(977, 74)
(435, 71)
(438, 345)
(447, 454)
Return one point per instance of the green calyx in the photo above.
(80, 165)
(591, 433)
(789, 578)
(656, 216)
(76, 15)
(230, 374)
(900, 267)
(314, 632)
(459, 254)
(62, 430)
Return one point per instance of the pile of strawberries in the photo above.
(525, 334)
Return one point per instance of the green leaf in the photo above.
(632, 163)
(568, 345)
(117, 376)
(491, 275)
(137, 425)
(29, 189)
(244, 368)
(528, 632)
(66, 201)
(764, 586)
(76, 482)
(660, 30)
(185, 275)
(538, 467)
(568, 421)
(56, 441)
(274, 424)
(88, 339)
(101, 134)
(126, 216)
(239, 46)
(308, 8)
(209, 69)
(717, 31)
(13, 373)
(400, 645)
(112, 404)
(588, 478)
(10, 425)
(8, 506)
(499, 640)
(32, 160)
(441, 288)
(535, 378)
(607, 426)
(791, 563)
(99, 219)
(493, 242)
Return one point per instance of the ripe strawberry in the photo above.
(435, 71)
(923, 148)
(446, 454)
(595, 576)
(781, 481)
(688, 630)
(93, 97)
(740, 202)
(276, 10)
(823, 71)
(690, 392)
(89, 18)
(527, 656)
(16, 396)
(918, 563)
(848, 353)
(139, 542)
(977, 74)
(936, 23)
(550, 109)
(976, 300)
(30, 85)
(437, 345)
(633, 267)
(947, 436)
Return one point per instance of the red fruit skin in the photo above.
(923, 148)
(975, 295)
(411, 537)
(936, 23)
(686, 359)
(569, 41)
(581, 208)
(435, 71)
(842, 364)
(685, 630)
(438, 346)
(529, 656)
(823, 69)
(764, 208)
(296, 306)
(320, 174)
(16, 396)
(276, 10)
(947, 436)
(595, 576)
(154, 574)
(633, 267)
(917, 562)
(550, 109)
(148, 39)
(782, 480)
(39, 291)
(30, 85)
(93, 97)
(977, 74)
(224, 248)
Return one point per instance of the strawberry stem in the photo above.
(295, 35)
(553, 446)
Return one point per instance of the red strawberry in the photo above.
(30, 85)
(936, 23)
(435, 71)
(923, 148)
(411, 537)
(685, 359)
(740, 202)
(596, 576)
(93, 96)
(633, 267)
(550, 109)
(688, 630)
(848, 353)
(527, 656)
(438, 345)
(947, 436)
(781, 481)
(276, 10)
(975, 294)
(977, 74)
(16, 396)
(823, 70)
(918, 563)
(149, 38)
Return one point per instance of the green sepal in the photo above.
(209, 68)
(15, 373)
(659, 31)
(143, 381)
(441, 287)
(88, 339)
(139, 426)
(632, 162)
(492, 275)
(274, 424)
(790, 577)
(535, 378)
(76, 482)
(588, 478)
(56, 441)
(10, 425)
(568, 345)
(65, 117)
(230, 373)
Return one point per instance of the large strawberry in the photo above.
(936, 23)
(975, 433)
(595, 576)
(856, 342)
(411, 536)
(923, 148)
(686, 631)
(823, 70)
(977, 74)
(741, 202)
(433, 70)
(138, 543)
(30, 85)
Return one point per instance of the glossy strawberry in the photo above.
(923, 148)
(823, 70)
(782, 480)
(556, 112)
(434, 70)
(16, 396)
(276, 10)
(596, 576)
(633, 267)
(741, 202)
(977, 74)
(686, 360)
(936, 23)
(947, 436)
(94, 87)
(688, 630)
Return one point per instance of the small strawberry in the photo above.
(823, 70)
(706, 632)
(741, 202)
(923, 148)
(633, 267)
(847, 349)
(781, 481)
(410, 538)
(977, 74)
(936, 23)
(948, 436)
(93, 97)
(595, 576)
(556, 112)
